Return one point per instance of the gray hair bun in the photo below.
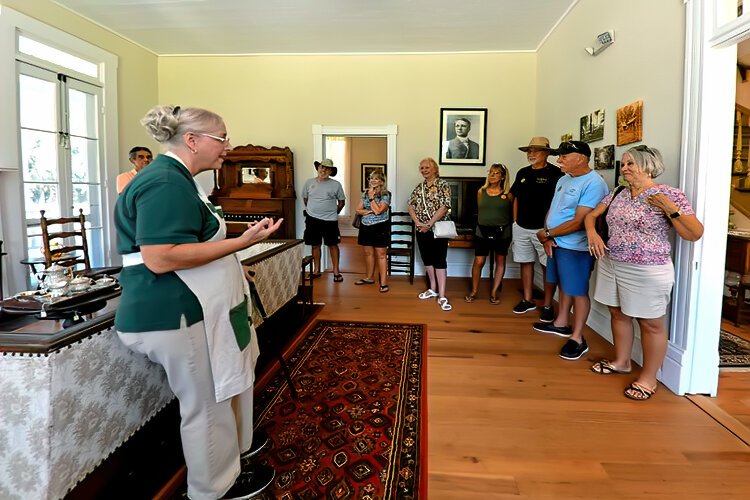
(162, 122)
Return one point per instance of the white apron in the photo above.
(220, 287)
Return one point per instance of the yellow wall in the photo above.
(137, 71)
(275, 100)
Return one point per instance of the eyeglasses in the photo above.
(225, 140)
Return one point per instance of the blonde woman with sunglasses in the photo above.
(494, 230)
(374, 231)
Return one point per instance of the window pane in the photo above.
(39, 156)
(55, 56)
(41, 197)
(82, 113)
(83, 159)
(38, 102)
(88, 197)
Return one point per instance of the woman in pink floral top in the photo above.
(634, 275)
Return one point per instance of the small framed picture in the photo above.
(463, 136)
(369, 168)
(592, 126)
(630, 123)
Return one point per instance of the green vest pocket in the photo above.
(238, 317)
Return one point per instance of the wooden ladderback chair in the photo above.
(65, 245)
(401, 248)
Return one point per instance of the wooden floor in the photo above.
(508, 418)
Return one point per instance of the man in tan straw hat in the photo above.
(324, 198)
(532, 191)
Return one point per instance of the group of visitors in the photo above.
(550, 214)
(185, 301)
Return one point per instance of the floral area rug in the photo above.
(734, 351)
(357, 426)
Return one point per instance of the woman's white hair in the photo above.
(167, 124)
(648, 159)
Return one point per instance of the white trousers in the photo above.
(213, 434)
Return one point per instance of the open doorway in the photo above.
(355, 146)
(356, 157)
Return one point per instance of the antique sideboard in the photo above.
(256, 182)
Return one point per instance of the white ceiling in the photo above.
(326, 26)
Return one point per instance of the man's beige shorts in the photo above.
(526, 246)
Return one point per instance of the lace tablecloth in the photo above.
(61, 414)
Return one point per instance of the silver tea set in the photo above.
(58, 280)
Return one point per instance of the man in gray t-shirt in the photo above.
(324, 199)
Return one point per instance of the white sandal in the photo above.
(444, 305)
(428, 294)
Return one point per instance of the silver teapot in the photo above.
(55, 273)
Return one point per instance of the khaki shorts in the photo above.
(526, 246)
(640, 291)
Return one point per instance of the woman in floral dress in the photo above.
(635, 274)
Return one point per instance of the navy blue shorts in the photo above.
(571, 270)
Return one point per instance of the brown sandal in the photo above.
(471, 297)
(605, 367)
(639, 392)
(494, 300)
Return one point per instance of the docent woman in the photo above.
(185, 300)
(494, 230)
(634, 274)
(428, 203)
(374, 230)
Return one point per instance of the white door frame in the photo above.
(692, 362)
(388, 131)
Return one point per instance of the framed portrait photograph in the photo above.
(369, 168)
(463, 136)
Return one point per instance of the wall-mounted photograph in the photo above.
(566, 137)
(604, 157)
(463, 136)
(630, 123)
(368, 169)
(592, 126)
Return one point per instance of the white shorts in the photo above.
(640, 291)
(526, 246)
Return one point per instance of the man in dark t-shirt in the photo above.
(532, 191)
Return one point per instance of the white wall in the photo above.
(645, 62)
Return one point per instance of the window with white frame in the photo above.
(338, 150)
(57, 137)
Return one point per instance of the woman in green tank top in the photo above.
(493, 232)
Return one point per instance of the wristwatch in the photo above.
(676, 214)
(546, 233)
